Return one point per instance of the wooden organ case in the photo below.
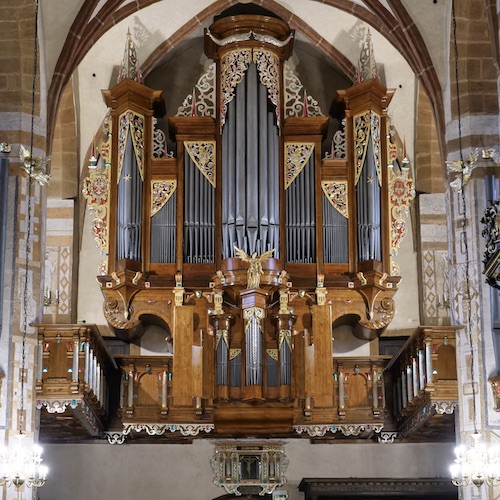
(247, 247)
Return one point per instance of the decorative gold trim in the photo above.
(268, 66)
(234, 65)
(375, 135)
(336, 193)
(297, 154)
(273, 353)
(161, 192)
(131, 120)
(221, 334)
(203, 155)
(233, 353)
(361, 136)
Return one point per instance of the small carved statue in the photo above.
(255, 268)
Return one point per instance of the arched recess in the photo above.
(64, 165)
(157, 336)
(428, 175)
(395, 25)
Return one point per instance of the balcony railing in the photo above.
(74, 370)
(145, 389)
(424, 378)
(359, 388)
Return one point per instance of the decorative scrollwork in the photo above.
(444, 407)
(387, 437)
(297, 154)
(161, 192)
(203, 155)
(115, 437)
(375, 133)
(491, 234)
(381, 315)
(96, 192)
(336, 193)
(297, 102)
(243, 37)
(201, 102)
(134, 123)
(273, 353)
(268, 67)
(159, 143)
(57, 406)
(160, 429)
(361, 136)
(115, 315)
(237, 37)
(319, 430)
(234, 65)
(253, 313)
(271, 40)
(338, 151)
(401, 194)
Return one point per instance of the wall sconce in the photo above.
(443, 301)
(198, 406)
(47, 298)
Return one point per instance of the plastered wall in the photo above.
(183, 472)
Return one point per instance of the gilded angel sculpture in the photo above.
(465, 169)
(35, 167)
(255, 268)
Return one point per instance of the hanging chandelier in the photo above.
(20, 465)
(477, 465)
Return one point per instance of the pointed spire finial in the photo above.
(367, 67)
(130, 63)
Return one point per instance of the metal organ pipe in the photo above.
(335, 235)
(129, 207)
(300, 217)
(368, 210)
(163, 232)
(250, 211)
(253, 344)
(198, 215)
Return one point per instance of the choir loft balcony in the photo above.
(424, 383)
(73, 378)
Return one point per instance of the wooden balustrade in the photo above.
(73, 373)
(423, 378)
(359, 388)
(146, 388)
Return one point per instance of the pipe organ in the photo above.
(249, 243)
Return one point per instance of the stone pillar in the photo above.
(16, 60)
(435, 261)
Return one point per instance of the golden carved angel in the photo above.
(255, 268)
